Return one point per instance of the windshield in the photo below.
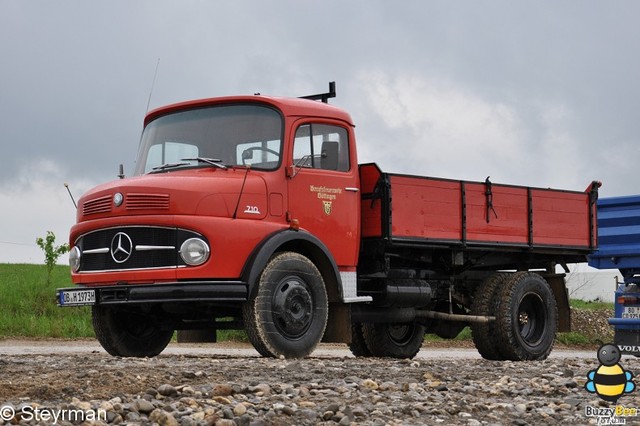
(231, 135)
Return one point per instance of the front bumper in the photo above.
(177, 292)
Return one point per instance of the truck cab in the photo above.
(220, 185)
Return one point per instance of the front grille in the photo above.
(97, 205)
(134, 201)
(147, 201)
(133, 247)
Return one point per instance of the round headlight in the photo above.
(194, 251)
(75, 255)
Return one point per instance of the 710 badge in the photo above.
(77, 297)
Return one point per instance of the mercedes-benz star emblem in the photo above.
(121, 247)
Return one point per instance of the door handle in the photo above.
(351, 189)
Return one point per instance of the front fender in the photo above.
(296, 241)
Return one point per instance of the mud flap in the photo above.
(560, 292)
(339, 324)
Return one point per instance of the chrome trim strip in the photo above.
(97, 251)
(149, 248)
(132, 269)
(358, 299)
(136, 226)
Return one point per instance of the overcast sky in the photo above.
(539, 93)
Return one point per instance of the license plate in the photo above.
(77, 297)
(632, 312)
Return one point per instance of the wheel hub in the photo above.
(292, 307)
(531, 318)
(401, 333)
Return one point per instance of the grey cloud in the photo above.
(76, 77)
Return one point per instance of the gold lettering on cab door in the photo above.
(326, 195)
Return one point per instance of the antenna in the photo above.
(235, 212)
(153, 83)
(66, 185)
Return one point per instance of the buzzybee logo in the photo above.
(610, 381)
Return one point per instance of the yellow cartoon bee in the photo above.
(610, 380)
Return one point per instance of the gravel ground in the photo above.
(199, 389)
(218, 390)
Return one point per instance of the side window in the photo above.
(321, 146)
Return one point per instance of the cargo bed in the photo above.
(404, 210)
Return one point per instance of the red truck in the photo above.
(252, 212)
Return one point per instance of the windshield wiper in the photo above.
(168, 166)
(216, 162)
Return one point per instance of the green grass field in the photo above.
(28, 308)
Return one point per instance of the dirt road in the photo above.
(226, 385)
(44, 347)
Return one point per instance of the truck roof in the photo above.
(290, 107)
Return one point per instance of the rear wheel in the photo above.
(393, 340)
(129, 332)
(358, 344)
(485, 303)
(287, 315)
(527, 318)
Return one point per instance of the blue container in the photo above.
(618, 236)
(619, 248)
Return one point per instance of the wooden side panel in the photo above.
(444, 210)
(474, 212)
(560, 218)
(426, 208)
(507, 222)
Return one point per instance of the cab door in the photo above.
(323, 193)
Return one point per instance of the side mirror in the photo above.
(329, 155)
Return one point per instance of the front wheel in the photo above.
(393, 340)
(129, 332)
(527, 317)
(287, 315)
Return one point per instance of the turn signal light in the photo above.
(628, 300)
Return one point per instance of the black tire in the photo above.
(129, 332)
(485, 303)
(358, 345)
(287, 315)
(527, 318)
(394, 340)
